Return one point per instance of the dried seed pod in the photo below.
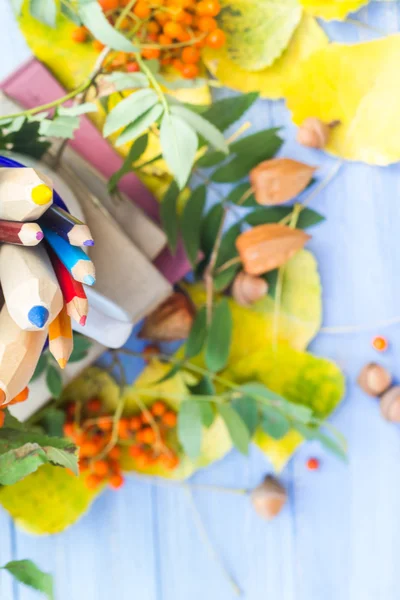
(266, 247)
(172, 320)
(390, 404)
(268, 498)
(313, 133)
(279, 180)
(374, 379)
(247, 289)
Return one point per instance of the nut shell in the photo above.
(172, 320)
(247, 289)
(268, 498)
(390, 405)
(279, 180)
(313, 133)
(374, 379)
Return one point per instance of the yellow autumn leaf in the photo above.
(332, 9)
(269, 82)
(351, 84)
(92, 383)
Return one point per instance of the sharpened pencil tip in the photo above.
(38, 316)
(88, 243)
(82, 321)
(42, 194)
(39, 235)
(89, 279)
(62, 362)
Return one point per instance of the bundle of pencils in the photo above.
(42, 272)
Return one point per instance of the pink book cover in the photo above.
(32, 85)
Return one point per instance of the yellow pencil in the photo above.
(60, 337)
(25, 194)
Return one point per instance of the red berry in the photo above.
(313, 464)
(380, 343)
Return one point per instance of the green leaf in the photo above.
(44, 11)
(204, 387)
(169, 217)
(209, 228)
(311, 433)
(298, 412)
(54, 381)
(17, 6)
(256, 47)
(272, 279)
(23, 452)
(25, 141)
(170, 374)
(246, 407)
(77, 356)
(70, 14)
(236, 427)
(128, 110)
(41, 366)
(60, 126)
(141, 124)
(249, 151)
(227, 111)
(190, 428)
(227, 250)
(219, 337)
(191, 223)
(261, 216)
(179, 145)
(82, 343)
(135, 152)
(210, 159)
(52, 421)
(197, 335)
(238, 193)
(207, 413)
(225, 278)
(95, 20)
(127, 81)
(26, 572)
(181, 84)
(203, 127)
(274, 423)
(79, 109)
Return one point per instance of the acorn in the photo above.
(374, 379)
(247, 289)
(390, 405)
(313, 133)
(268, 498)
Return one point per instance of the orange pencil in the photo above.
(60, 337)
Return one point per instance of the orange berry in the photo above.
(94, 405)
(132, 67)
(161, 17)
(150, 351)
(169, 461)
(169, 418)
(125, 23)
(143, 460)
(71, 409)
(190, 55)
(166, 61)
(116, 481)
(83, 465)
(146, 417)
(158, 408)
(173, 30)
(69, 429)
(100, 467)
(88, 448)
(177, 64)
(141, 10)
(380, 343)
(216, 38)
(135, 451)
(93, 481)
(208, 8)
(115, 453)
(184, 36)
(190, 71)
(187, 18)
(313, 464)
(97, 45)
(79, 35)
(2, 418)
(135, 423)
(123, 429)
(105, 423)
(207, 24)
(109, 4)
(150, 53)
(153, 27)
(146, 436)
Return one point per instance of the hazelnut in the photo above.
(374, 379)
(247, 289)
(390, 404)
(268, 498)
(172, 320)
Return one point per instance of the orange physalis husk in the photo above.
(279, 180)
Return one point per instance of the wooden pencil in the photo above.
(74, 295)
(78, 264)
(25, 194)
(67, 226)
(19, 353)
(60, 337)
(21, 397)
(23, 234)
(30, 287)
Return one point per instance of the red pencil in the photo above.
(73, 292)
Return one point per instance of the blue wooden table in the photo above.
(338, 538)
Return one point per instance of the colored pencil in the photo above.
(67, 226)
(23, 234)
(78, 264)
(74, 295)
(19, 353)
(21, 397)
(60, 337)
(30, 287)
(25, 194)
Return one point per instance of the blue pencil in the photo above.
(67, 226)
(78, 264)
